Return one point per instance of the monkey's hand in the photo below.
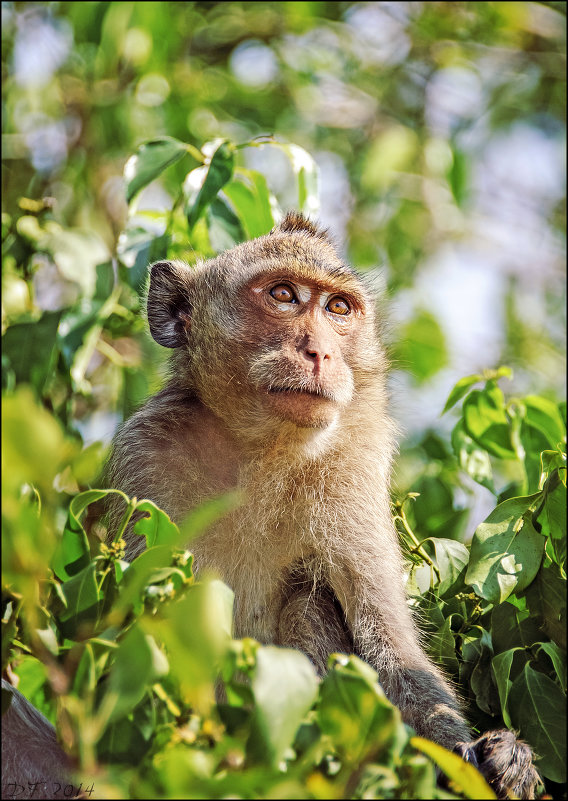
(505, 762)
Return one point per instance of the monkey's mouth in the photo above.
(317, 392)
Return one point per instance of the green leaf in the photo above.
(422, 347)
(83, 608)
(538, 709)
(433, 510)
(486, 696)
(419, 579)
(32, 683)
(285, 685)
(512, 627)
(442, 647)
(553, 515)
(546, 598)
(486, 422)
(156, 526)
(506, 551)
(217, 174)
(458, 176)
(550, 460)
(149, 161)
(138, 574)
(136, 249)
(307, 173)
(451, 558)
(558, 658)
(73, 552)
(501, 669)
(356, 714)
(225, 229)
(469, 780)
(461, 389)
(473, 459)
(248, 192)
(197, 630)
(543, 415)
(31, 349)
(137, 664)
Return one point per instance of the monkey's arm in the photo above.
(368, 581)
(385, 636)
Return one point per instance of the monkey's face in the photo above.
(301, 335)
(274, 335)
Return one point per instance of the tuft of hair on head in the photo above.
(294, 223)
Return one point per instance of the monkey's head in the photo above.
(274, 336)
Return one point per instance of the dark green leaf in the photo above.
(83, 604)
(553, 515)
(512, 627)
(218, 174)
(538, 709)
(150, 160)
(30, 349)
(433, 511)
(546, 598)
(451, 558)
(442, 648)
(486, 695)
(225, 229)
(73, 552)
(558, 658)
(501, 669)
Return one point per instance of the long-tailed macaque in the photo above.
(278, 388)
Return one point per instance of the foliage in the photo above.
(125, 657)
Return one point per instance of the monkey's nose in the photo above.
(317, 354)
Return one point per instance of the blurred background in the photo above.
(439, 132)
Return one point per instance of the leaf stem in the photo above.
(130, 508)
(195, 153)
(418, 548)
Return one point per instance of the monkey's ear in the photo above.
(294, 222)
(168, 305)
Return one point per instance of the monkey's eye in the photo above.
(283, 294)
(338, 305)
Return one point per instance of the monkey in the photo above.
(278, 388)
(32, 758)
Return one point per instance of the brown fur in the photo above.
(312, 555)
(31, 756)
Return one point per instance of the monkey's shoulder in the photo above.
(182, 437)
